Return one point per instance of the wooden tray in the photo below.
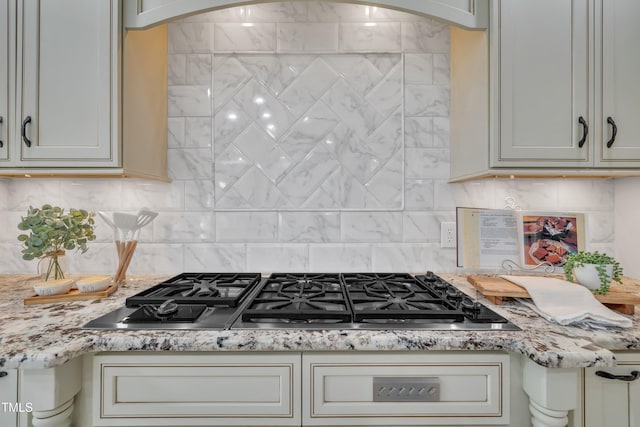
(72, 295)
(495, 289)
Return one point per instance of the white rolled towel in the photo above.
(568, 303)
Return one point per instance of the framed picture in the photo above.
(551, 237)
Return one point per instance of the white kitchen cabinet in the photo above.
(67, 59)
(5, 22)
(533, 96)
(195, 390)
(9, 398)
(613, 402)
(143, 14)
(406, 389)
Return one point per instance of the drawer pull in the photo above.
(614, 131)
(585, 131)
(1, 143)
(3, 374)
(23, 131)
(406, 389)
(631, 377)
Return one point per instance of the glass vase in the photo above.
(53, 266)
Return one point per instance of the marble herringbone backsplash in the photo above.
(303, 136)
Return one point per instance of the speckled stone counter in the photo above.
(46, 335)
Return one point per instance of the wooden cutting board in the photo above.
(495, 289)
(72, 295)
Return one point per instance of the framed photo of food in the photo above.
(551, 237)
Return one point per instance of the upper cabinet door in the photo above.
(620, 102)
(64, 83)
(543, 76)
(4, 80)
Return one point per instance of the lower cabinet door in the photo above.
(406, 389)
(191, 390)
(11, 407)
(613, 402)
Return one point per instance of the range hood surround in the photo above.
(471, 14)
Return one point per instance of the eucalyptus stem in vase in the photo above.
(51, 232)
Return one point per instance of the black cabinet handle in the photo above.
(3, 374)
(585, 131)
(631, 377)
(23, 131)
(1, 143)
(614, 131)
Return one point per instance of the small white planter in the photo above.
(587, 275)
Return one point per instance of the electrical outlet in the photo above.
(447, 234)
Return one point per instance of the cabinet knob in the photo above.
(631, 377)
(585, 131)
(614, 131)
(23, 131)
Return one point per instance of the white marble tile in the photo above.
(308, 131)
(423, 227)
(340, 257)
(263, 152)
(230, 165)
(310, 227)
(342, 190)
(360, 74)
(228, 77)
(269, 258)
(307, 176)
(283, 11)
(91, 194)
(419, 194)
(227, 14)
(370, 37)
(157, 258)
(371, 226)
(190, 163)
(175, 132)
(418, 132)
(585, 194)
(189, 101)
(9, 232)
(480, 193)
(418, 68)
(529, 194)
(352, 109)
(177, 69)
(386, 97)
(303, 92)
(228, 257)
(198, 69)
(245, 37)
(427, 163)
(183, 227)
(441, 69)
(23, 193)
(229, 122)
(410, 257)
(12, 261)
(259, 191)
(99, 259)
(199, 195)
(190, 37)
(307, 37)
(275, 72)
(4, 194)
(260, 105)
(444, 199)
(354, 153)
(198, 132)
(246, 226)
(387, 184)
(385, 14)
(425, 100)
(441, 132)
(138, 193)
(600, 227)
(425, 36)
(323, 11)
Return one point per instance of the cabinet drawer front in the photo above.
(341, 391)
(207, 389)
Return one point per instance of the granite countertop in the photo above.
(46, 335)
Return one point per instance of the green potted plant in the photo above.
(593, 270)
(51, 232)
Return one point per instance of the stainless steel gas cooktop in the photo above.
(311, 301)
